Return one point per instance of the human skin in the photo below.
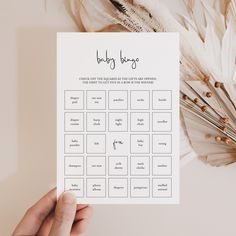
(49, 217)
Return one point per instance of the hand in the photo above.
(48, 217)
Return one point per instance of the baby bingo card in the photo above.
(118, 117)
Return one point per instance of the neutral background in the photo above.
(28, 146)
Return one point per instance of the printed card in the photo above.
(118, 117)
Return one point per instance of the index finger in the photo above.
(36, 214)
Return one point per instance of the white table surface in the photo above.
(28, 140)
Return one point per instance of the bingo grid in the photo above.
(118, 143)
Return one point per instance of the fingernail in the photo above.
(68, 197)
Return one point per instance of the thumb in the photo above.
(64, 215)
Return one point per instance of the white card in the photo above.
(118, 117)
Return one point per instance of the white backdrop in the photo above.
(28, 134)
